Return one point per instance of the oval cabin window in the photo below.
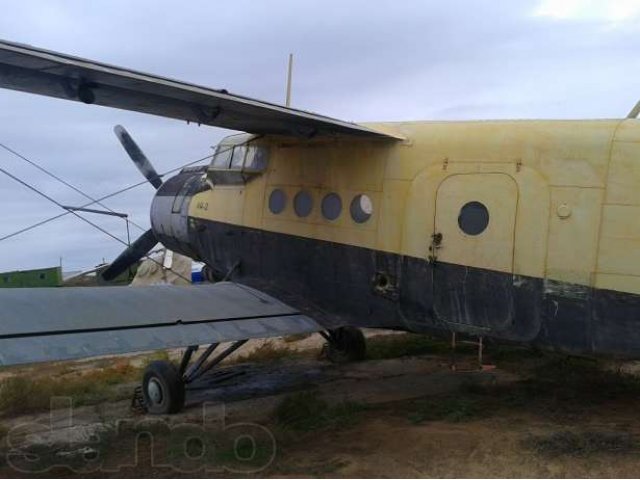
(302, 204)
(331, 206)
(473, 218)
(277, 201)
(361, 208)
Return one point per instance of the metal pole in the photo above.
(186, 358)
(128, 234)
(289, 71)
(453, 351)
(196, 366)
(93, 210)
(126, 221)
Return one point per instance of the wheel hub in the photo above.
(154, 391)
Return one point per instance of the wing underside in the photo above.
(48, 324)
(29, 69)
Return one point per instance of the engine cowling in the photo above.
(170, 209)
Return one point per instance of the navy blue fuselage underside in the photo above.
(340, 284)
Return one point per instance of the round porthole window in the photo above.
(361, 208)
(331, 206)
(302, 204)
(473, 218)
(277, 201)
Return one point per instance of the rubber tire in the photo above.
(172, 386)
(209, 275)
(347, 345)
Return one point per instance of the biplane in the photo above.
(520, 231)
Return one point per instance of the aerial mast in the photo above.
(289, 70)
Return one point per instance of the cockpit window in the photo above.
(236, 160)
(222, 157)
(256, 159)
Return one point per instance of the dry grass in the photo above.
(561, 389)
(27, 394)
(306, 411)
(582, 443)
(411, 344)
(448, 408)
(19, 395)
(298, 337)
(267, 352)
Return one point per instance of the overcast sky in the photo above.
(354, 60)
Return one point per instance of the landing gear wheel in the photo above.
(346, 344)
(162, 388)
(209, 275)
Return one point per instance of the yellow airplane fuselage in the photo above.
(562, 241)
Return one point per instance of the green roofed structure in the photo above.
(41, 277)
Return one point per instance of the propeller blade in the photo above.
(139, 158)
(131, 255)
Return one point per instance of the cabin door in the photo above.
(472, 250)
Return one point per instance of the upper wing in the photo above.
(45, 324)
(30, 69)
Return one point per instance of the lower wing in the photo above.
(48, 324)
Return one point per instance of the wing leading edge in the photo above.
(48, 324)
(34, 70)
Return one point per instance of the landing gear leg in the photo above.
(163, 384)
(345, 344)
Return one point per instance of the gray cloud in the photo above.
(356, 60)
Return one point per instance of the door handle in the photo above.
(436, 244)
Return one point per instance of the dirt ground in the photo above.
(277, 410)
